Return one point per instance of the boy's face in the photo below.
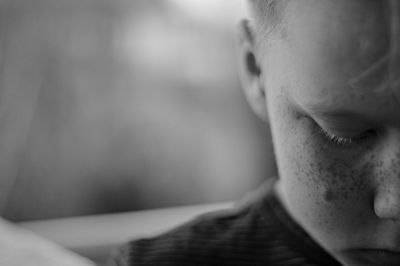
(335, 127)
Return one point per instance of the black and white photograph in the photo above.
(200, 132)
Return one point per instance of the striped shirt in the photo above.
(257, 232)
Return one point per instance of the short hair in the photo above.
(267, 14)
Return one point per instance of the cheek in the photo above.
(325, 189)
(323, 174)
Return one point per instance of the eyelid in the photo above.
(343, 133)
(339, 140)
(343, 128)
(351, 138)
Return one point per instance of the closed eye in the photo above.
(337, 140)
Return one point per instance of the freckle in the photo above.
(329, 195)
(345, 195)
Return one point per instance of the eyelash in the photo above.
(343, 142)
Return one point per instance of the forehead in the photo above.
(348, 29)
(341, 52)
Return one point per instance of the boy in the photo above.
(326, 75)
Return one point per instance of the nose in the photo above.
(387, 178)
(387, 203)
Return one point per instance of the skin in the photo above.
(346, 196)
(383, 73)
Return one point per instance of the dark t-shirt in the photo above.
(257, 232)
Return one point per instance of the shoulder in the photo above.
(256, 232)
(237, 236)
(217, 238)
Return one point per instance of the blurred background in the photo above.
(115, 105)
